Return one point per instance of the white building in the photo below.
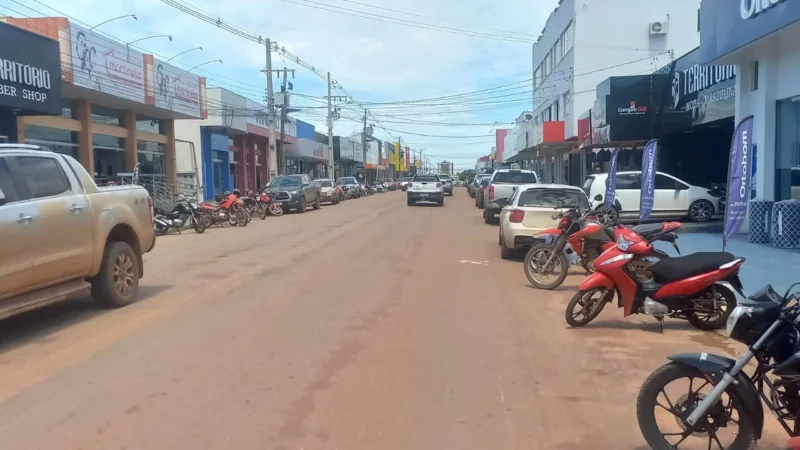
(761, 39)
(584, 42)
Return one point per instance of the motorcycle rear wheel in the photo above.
(241, 217)
(159, 230)
(649, 399)
(707, 324)
(540, 253)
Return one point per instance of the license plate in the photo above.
(423, 195)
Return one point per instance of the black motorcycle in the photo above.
(176, 218)
(720, 394)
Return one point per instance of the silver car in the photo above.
(530, 210)
(328, 191)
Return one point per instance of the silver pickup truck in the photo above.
(61, 235)
(501, 187)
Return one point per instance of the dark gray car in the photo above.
(295, 192)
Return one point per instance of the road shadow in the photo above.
(39, 324)
(651, 327)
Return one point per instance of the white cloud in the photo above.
(373, 60)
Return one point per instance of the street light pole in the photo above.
(330, 130)
(270, 113)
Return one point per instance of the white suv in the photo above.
(673, 197)
(425, 188)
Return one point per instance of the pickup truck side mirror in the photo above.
(515, 188)
(305, 185)
(2, 198)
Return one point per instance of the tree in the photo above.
(466, 174)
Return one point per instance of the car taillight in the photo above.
(438, 184)
(516, 216)
(491, 192)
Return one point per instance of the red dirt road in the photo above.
(368, 325)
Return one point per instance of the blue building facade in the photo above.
(215, 151)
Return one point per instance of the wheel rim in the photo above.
(124, 273)
(607, 216)
(538, 271)
(588, 306)
(673, 407)
(701, 211)
(711, 308)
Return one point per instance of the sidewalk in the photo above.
(765, 264)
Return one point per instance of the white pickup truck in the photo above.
(501, 187)
(425, 188)
(61, 235)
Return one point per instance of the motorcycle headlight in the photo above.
(623, 244)
(738, 312)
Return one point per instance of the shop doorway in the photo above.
(787, 150)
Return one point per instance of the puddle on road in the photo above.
(716, 340)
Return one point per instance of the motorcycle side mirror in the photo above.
(2, 198)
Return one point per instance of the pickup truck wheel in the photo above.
(118, 281)
(409, 202)
(302, 208)
(317, 203)
(487, 217)
(440, 202)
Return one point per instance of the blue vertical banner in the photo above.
(649, 156)
(611, 181)
(739, 168)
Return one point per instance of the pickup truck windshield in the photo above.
(553, 198)
(347, 180)
(514, 177)
(291, 180)
(426, 178)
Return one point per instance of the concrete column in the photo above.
(85, 146)
(131, 152)
(20, 130)
(168, 129)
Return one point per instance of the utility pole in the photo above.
(330, 130)
(364, 145)
(284, 112)
(272, 157)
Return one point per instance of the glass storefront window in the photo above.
(148, 124)
(219, 183)
(105, 116)
(787, 150)
(69, 108)
(152, 158)
(40, 133)
(109, 155)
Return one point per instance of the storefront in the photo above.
(307, 156)
(119, 105)
(348, 156)
(761, 38)
(30, 81)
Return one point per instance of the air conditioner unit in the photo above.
(658, 28)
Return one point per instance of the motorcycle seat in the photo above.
(647, 230)
(682, 267)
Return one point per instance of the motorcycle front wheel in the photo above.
(537, 273)
(585, 306)
(160, 230)
(275, 210)
(262, 211)
(241, 217)
(712, 431)
(198, 224)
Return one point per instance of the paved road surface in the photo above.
(368, 325)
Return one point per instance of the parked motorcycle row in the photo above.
(234, 209)
(716, 403)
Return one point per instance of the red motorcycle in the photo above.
(229, 208)
(579, 239)
(685, 287)
(270, 204)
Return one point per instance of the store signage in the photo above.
(687, 84)
(632, 109)
(319, 152)
(101, 64)
(177, 90)
(30, 72)
(751, 8)
(738, 189)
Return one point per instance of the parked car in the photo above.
(295, 192)
(501, 186)
(62, 235)
(447, 184)
(404, 183)
(673, 197)
(530, 210)
(482, 185)
(329, 192)
(425, 188)
(350, 185)
(472, 187)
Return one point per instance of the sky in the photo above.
(383, 65)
